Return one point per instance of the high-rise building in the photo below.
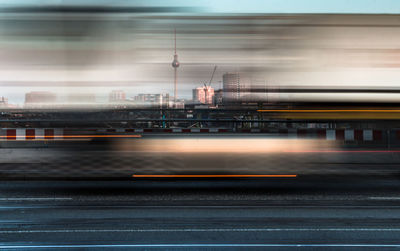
(203, 95)
(235, 87)
(117, 96)
(198, 95)
(40, 98)
(209, 95)
(231, 86)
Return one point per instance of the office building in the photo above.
(203, 95)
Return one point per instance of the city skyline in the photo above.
(102, 94)
(19, 98)
(140, 62)
(110, 94)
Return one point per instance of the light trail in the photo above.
(334, 114)
(207, 245)
(344, 151)
(323, 111)
(100, 136)
(69, 136)
(214, 175)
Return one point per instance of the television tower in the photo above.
(175, 64)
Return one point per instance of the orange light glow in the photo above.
(214, 175)
(328, 110)
(72, 136)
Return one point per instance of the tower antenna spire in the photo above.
(175, 39)
(175, 65)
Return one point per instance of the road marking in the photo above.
(194, 245)
(204, 230)
(214, 176)
(33, 199)
(384, 198)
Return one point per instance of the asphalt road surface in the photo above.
(229, 214)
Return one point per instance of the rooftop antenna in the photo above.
(175, 65)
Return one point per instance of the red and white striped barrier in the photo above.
(327, 134)
(331, 134)
(30, 133)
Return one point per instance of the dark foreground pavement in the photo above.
(302, 213)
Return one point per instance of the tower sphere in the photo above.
(175, 63)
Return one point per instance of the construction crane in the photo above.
(212, 76)
(209, 84)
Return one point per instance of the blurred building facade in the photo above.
(235, 87)
(39, 99)
(203, 95)
(117, 96)
(153, 100)
(218, 97)
(178, 104)
(81, 98)
(3, 102)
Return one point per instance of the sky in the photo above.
(242, 6)
(292, 6)
(31, 42)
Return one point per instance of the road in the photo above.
(327, 213)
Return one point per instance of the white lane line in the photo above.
(204, 230)
(68, 198)
(33, 199)
(193, 245)
(384, 198)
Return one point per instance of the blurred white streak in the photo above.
(222, 145)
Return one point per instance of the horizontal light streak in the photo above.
(221, 145)
(323, 111)
(344, 151)
(214, 175)
(351, 114)
(70, 136)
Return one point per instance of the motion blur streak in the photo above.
(85, 136)
(215, 176)
(329, 110)
(132, 51)
(221, 145)
(335, 114)
(157, 124)
(343, 151)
